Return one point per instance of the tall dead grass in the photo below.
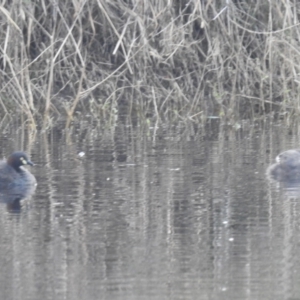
(191, 59)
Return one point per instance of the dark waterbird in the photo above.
(287, 166)
(16, 182)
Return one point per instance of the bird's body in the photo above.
(287, 166)
(16, 182)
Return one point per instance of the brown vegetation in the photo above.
(193, 59)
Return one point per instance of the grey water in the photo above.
(153, 211)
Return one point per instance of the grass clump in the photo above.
(191, 59)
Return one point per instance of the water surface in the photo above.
(164, 212)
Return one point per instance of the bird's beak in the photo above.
(29, 162)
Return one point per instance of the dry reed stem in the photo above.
(11, 21)
(76, 100)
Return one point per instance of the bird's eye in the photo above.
(23, 160)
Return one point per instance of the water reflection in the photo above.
(180, 212)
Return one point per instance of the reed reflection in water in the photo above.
(174, 213)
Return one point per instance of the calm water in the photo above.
(167, 212)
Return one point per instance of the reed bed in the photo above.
(190, 59)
